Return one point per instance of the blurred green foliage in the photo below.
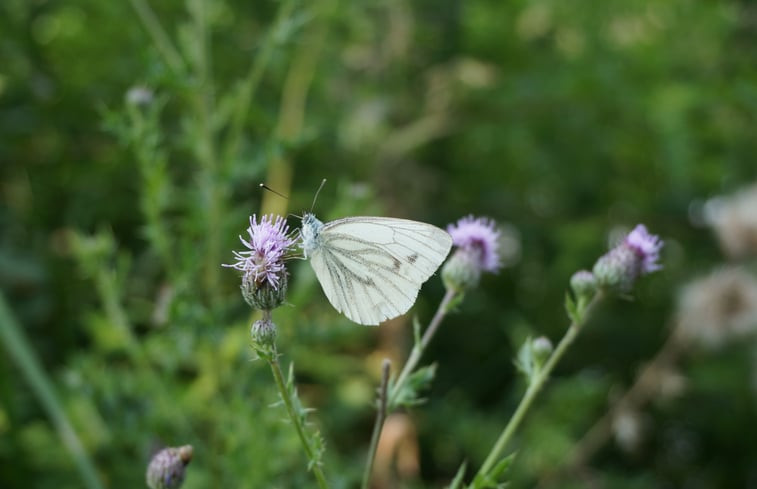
(129, 163)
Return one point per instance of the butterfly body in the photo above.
(371, 268)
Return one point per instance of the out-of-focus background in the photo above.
(133, 137)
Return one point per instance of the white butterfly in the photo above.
(371, 268)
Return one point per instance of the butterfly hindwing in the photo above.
(371, 268)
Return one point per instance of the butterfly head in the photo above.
(311, 230)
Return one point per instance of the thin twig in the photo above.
(159, 36)
(380, 418)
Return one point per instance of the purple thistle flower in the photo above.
(477, 242)
(262, 264)
(636, 255)
(647, 246)
(480, 236)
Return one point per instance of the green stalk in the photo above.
(21, 352)
(534, 387)
(273, 361)
(418, 349)
(158, 34)
(380, 418)
(251, 82)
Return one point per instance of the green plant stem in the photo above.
(418, 349)
(534, 387)
(251, 82)
(21, 352)
(294, 417)
(380, 418)
(159, 37)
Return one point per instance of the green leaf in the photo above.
(490, 480)
(458, 480)
(457, 299)
(524, 362)
(416, 331)
(417, 381)
(572, 309)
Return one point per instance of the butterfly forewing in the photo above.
(371, 268)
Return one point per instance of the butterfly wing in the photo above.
(371, 268)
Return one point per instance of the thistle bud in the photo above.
(461, 272)
(263, 295)
(636, 255)
(617, 269)
(263, 332)
(584, 284)
(542, 349)
(167, 467)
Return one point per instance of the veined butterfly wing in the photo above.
(371, 268)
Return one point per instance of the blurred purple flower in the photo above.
(647, 247)
(636, 255)
(477, 242)
(480, 236)
(166, 469)
(263, 261)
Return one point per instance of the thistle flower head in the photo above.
(636, 255)
(167, 467)
(480, 236)
(646, 246)
(264, 275)
(477, 242)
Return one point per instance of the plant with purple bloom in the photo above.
(264, 278)
(478, 235)
(477, 242)
(636, 255)
(647, 247)
(264, 284)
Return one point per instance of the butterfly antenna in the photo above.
(266, 187)
(323, 182)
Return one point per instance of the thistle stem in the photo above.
(159, 37)
(273, 361)
(418, 349)
(380, 418)
(534, 387)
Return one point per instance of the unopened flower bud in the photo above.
(461, 272)
(542, 349)
(263, 295)
(617, 269)
(167, 467)
(263, 332)
(584, 284)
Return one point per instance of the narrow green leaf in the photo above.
(458, 480)
(571, 308)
